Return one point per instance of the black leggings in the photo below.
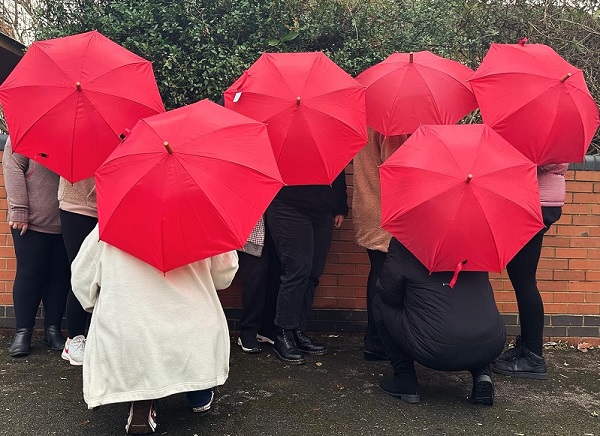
(43, 274)
(522, 271)
(75, 228)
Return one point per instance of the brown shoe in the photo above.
(142, 417)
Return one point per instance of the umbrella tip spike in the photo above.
(411, 56)
(168, 147)
(298, 101)
(78, 86)
(469, 178)
(565, 77)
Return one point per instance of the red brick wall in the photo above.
(568, 275)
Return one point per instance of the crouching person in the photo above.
(153, 334)
(421, 318)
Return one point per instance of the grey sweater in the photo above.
(31, 191)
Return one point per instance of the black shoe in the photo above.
(306, 344)
(286, 349)
(54, 338)
(248, 342)
(393, 387)
(511, 353)
(21, 343)
(483, 390)
(529, 365)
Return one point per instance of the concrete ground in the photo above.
(335, 394)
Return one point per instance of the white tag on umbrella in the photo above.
(236, 97)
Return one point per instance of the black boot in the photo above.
(483, 388)
(528, 365)
(286, 349)
(21, 343)
(511, 353)
(306, 345)
(53, 337)
(403, 385)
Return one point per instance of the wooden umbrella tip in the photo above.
(168, 147)
(298, 101)
(469, 178)
(78, 86)
(411, 56)
(565, 77)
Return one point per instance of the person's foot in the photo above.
(372, 355)
(306, 344)
(483, 390)
(285, 348)
(528, 365)
(74, 350)
(142, 417)
(247, 340)
(53, 337)
(201, 401)
(511, 353)
(406, 390)
(21, 343)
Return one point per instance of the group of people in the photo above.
(413, 315)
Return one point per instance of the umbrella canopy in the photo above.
(460, 194)
(410, 89)
(69, 99)
(537, 101)
(186, 184)
(314, 110)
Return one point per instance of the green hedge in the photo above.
(199, 47)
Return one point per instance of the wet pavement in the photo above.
(335, 394)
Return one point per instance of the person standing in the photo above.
(421, 318)
(525, 359)
(366, 218)
(301, 221)
(43, 272)
(78, 215)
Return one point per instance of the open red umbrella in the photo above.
(314, 111)
(69, 99)
(186, 184)
(460, 196)
(537, 101)
(410, 89)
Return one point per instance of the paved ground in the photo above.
(336, 394)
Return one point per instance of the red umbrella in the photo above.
(69, 99)
(410, 89)
(460, 196)
(537, 101)
(315, 113)
(186, 184)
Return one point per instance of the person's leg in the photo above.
(31, 251)
(200, 401)
(292, 237)
(404, 384)
(373, 348)
(322, 229)
(254, 271)
(56, 289)
(267, 330)
(75, 228)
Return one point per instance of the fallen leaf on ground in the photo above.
(583, 346)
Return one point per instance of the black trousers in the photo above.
(522, 270)
(75, 228)
(372, 342)
(260, 285)
(301, 242)
(43, 275)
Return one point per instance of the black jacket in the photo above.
(318, 198)
(440, 327)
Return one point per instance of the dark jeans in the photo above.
(372, 342)
(75, 228)
(43, 275)
(301, 242)
(522, 271)
(260, 285)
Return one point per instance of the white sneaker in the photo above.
(73, 351)
(264, 339)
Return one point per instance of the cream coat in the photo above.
(152, 334)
